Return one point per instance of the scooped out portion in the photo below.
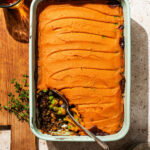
(80, 53)
(52, 116)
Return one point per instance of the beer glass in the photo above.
(16, 14)
(10, 3)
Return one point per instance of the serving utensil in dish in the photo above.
(32, 81)
(66, 106)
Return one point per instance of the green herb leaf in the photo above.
(103, 36)
(12, 81)
(10, 94)
(26, 85)
(116, 16)
(20, 107)
(25, 75)
(24, 80)
(5, 107)
(116, 24)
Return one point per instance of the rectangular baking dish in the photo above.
(32, 49)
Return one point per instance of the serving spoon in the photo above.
(66, 107)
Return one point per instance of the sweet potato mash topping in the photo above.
(80, 50)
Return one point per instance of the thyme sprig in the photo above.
(19, 102)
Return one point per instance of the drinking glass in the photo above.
(17, 18)
(10, 3)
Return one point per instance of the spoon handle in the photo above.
(99, 142)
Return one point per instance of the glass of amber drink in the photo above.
(17, 15)
(10, 3)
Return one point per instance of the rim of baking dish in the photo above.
(32, 41)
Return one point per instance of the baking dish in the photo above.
(32, 74)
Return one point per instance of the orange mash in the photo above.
(80, 55)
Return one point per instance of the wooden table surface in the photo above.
(13, 64)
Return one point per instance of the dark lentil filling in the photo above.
(52, 114)
(97, 131)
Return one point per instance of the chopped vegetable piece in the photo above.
(62, 110)
(59, 112)
(51, 98)
(60, 102)
(54, 128)
(53, 116)
(52, 120)
(50, 93)
(55, 108)
(52, 113)
(45, 90)
(77, 119)
(51, 107)
(75, 111)
(54, 102)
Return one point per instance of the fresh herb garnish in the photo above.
(19, 103)
(12, 81)
(103, 36)
(116, 24)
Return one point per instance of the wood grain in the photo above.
(13, 64)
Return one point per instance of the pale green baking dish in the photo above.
(127, 50)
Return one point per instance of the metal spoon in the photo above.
(66, 106)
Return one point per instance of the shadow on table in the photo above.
(139, 99)
(17, 22)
